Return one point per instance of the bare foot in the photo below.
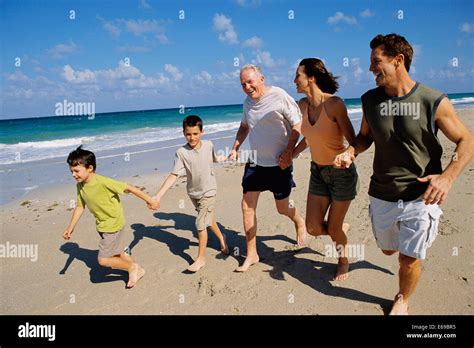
(345, 227)
(249, 261)
(224, 247)
(197, 265)
(342, 272)
(135, 274)
(400, 306)
(301, 234)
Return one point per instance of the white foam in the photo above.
(462, 100)
(40, 150)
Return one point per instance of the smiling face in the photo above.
(253, 83)
(193, 136)
(301, 80)
(80, 173)
(383, 67)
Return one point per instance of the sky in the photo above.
(155, 54)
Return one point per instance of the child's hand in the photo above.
(67, 233)
(154, 204)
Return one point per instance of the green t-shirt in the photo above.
(101, 195)
(406, 146)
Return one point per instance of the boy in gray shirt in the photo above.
(195, 161)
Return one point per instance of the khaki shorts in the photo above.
(205, 208)
(112, 244)
(409, 227)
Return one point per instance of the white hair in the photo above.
(254, 67)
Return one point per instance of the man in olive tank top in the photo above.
(402, 117)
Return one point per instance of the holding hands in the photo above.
(344, 160)
(154, 203)
(286, 159)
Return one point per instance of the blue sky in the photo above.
(139, 54)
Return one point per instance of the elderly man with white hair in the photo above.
(272, 120)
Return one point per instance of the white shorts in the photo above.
(409, 227)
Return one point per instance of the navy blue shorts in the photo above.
(274, 179)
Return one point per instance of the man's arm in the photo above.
(286, 158)
(339, 110)
(142, 195)
(451, 126)
(242, 134)
(362, 142)
(302, 145)
(76, 215)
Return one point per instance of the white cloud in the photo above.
(248, 3)
(467, 27)
(265, 60)
(253, 42)
(367, 13)
(61, 50)
(341, 17)
(133, 49)
(357, 70)
(17, 76)
(145, 5)
(174, 72)
(203, 77)
(223, 25)
(142, 27)
(112, 29)
(86, 76)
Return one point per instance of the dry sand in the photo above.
(66, 278)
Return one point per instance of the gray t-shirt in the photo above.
(270, 120)
(196, 164)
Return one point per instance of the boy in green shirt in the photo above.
(101, 195)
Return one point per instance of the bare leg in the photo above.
(217, 231)
(285, 208)
(124, 262)
(201, 259)
(338, 232)
(316, 209)
(249, 206)
(409, 274)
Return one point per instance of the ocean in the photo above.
(43, 143)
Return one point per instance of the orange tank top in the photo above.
(325, 137)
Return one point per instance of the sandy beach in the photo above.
(64, 277)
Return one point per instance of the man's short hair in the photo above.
(192, 121)
(81, 157)
(394, 44)
(253, 67)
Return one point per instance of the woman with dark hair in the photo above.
(325, 125)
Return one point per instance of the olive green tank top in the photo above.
(406, 145)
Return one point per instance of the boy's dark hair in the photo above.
(314, 67)
(192, 121)
(394, 44)
(81, 157)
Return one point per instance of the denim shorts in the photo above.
(339, 184)
(274, 179)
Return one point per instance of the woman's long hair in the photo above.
(314, 67)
